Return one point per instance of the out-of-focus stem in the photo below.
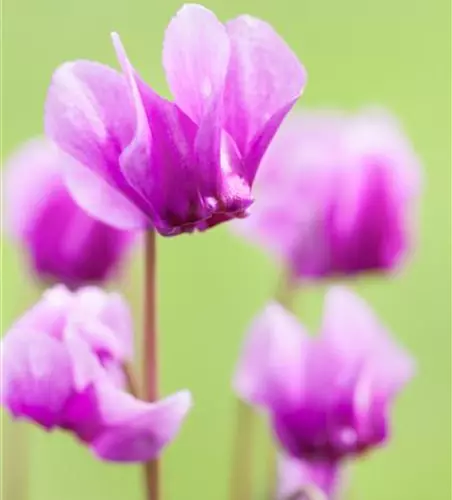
(150, 351)
(241, 480)
(14, 479)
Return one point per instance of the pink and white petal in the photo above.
(36, 377)
(295, 474)
(100, 200)
(104, 318)
(352, 329)
(264, 78)
(135, 431)
(89, 115)
(270, 369)
(136, 159)
(30, 174)
(196, 54)
(49, 314)
(86, 367)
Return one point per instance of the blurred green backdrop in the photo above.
(392, 52)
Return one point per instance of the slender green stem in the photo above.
(150, 351)
(242, 459)
(14, 437)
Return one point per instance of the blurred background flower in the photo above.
(60, 364)
(62, 243)
(336, 195)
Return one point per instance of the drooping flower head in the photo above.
(63, 243)
(336, 195)
(183, 165)
(62, 367)
(329, 397)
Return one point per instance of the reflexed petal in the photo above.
(89, 115)
(264, 80)
(36, 376)
(171, 180)
(135, 431)
(102, 201)
(195, 57)
(270, 370)
(354, 332)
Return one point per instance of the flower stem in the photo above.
(242, 457)
(14, 437)
(150, 350)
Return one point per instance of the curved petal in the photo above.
(135, 431)
(104, 321)
(36, 376)
(270, 369)
(196, 54)
(264, 77)
(352, 329)
(49, 314)
(169, 181)
(89, 115)
(100, 200)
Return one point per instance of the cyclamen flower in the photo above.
(183, 165)
(64, 244)
(62, 368)
(336, 195)
(296, 475)
(328, 398)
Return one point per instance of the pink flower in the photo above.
(62, 367)
(335, 195)
(329, 397)
(183, 165)
(63, 243)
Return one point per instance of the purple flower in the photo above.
(63, 242)
(295, 474)
(336, 195)
(62, 368)
(183, 165)
(328, 397)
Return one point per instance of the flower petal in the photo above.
(90, 116)
(295, 474)
(196, 54)
(49, 314)
(171, 180)
(104, 321)
(264, 80)
(270, 370)
(352, 329)
(135, 431)
(101, 200)
(36, 376)
(29, 172)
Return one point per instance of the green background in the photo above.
(391, 52)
